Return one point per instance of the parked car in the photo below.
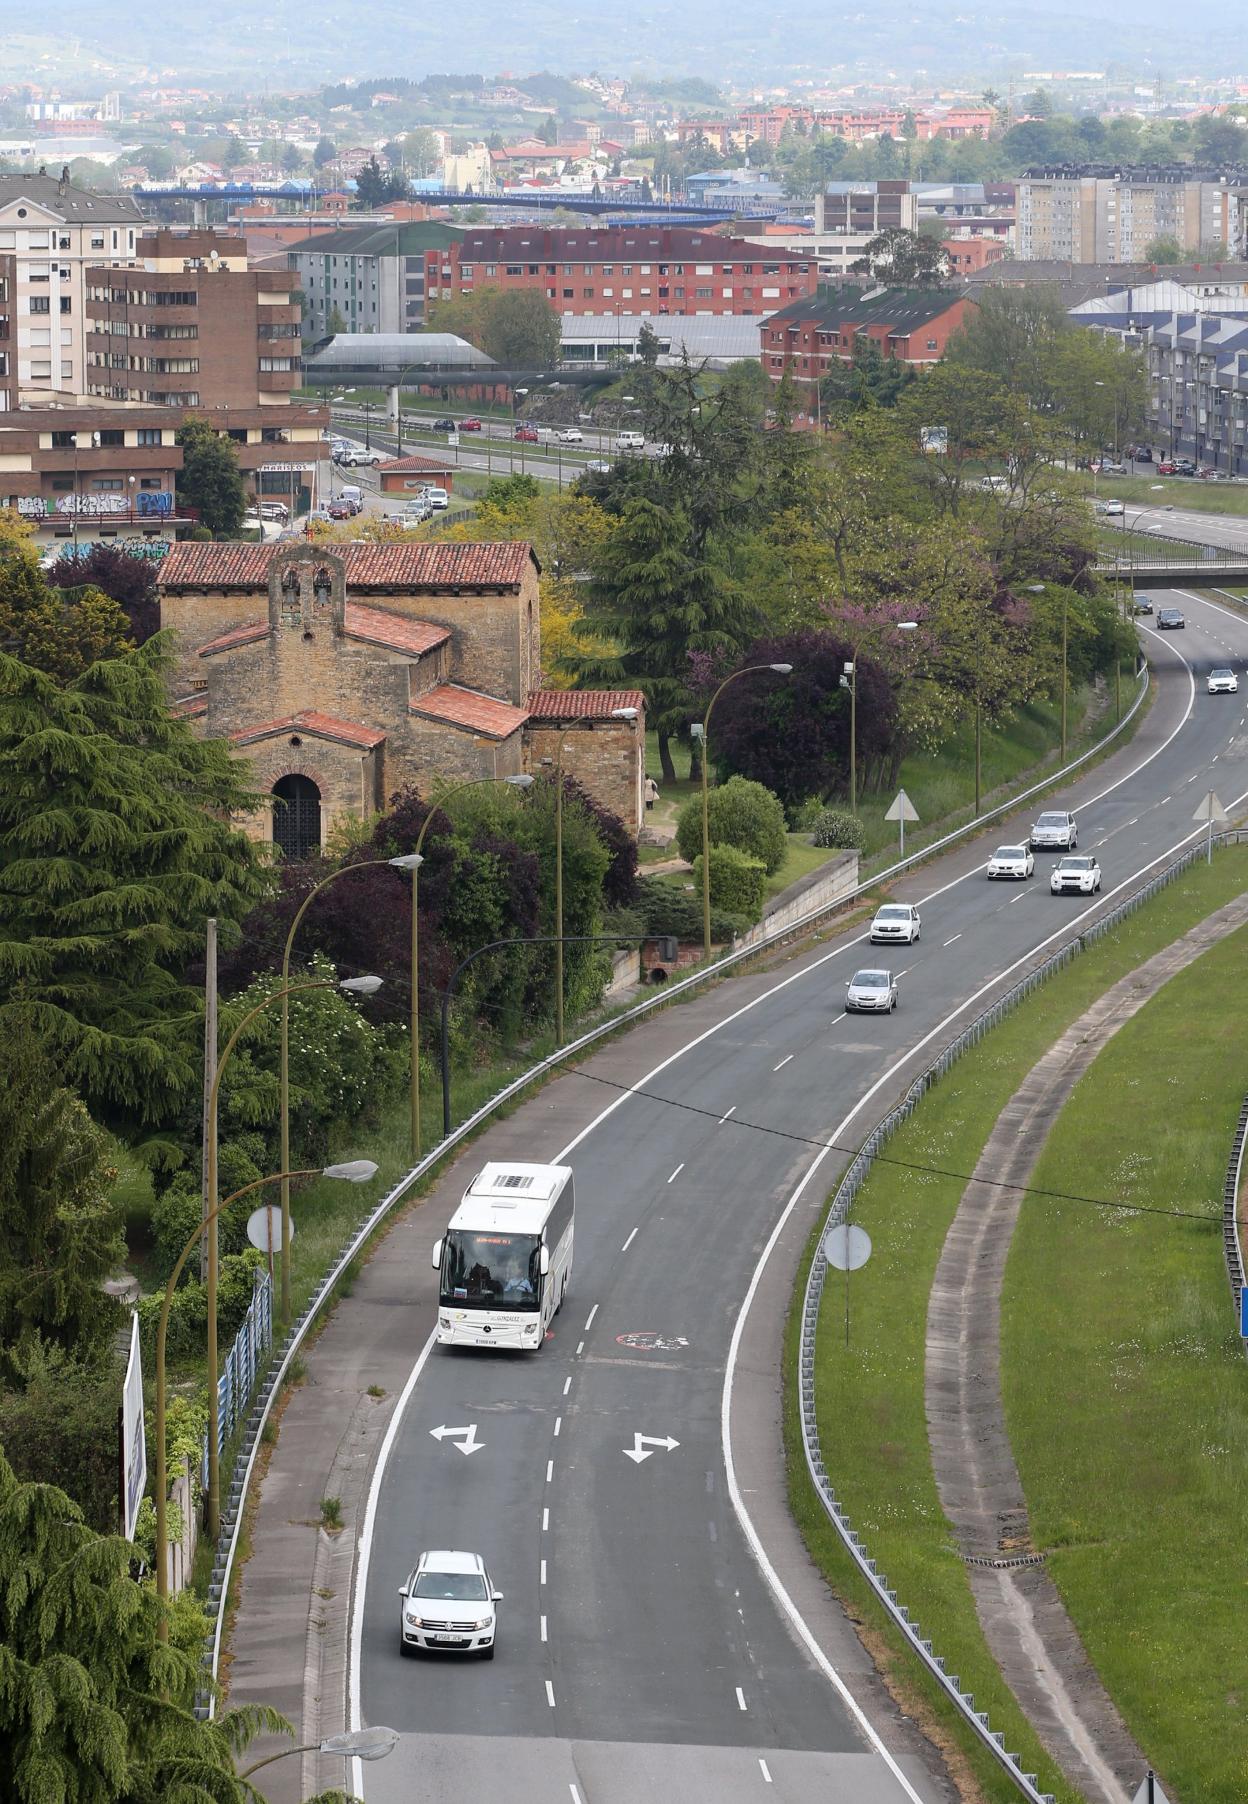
(529, 435)
(446, 425)
(1170, 620)
(1166, 467)
(1183, 466)
(274, 510)
(570, 435)
(896, 921)
(1109, 507)
(1223, 682)
(1081, 875)
(600, 464)
(438, 499)
(471, 424)
(1011, 861)
(1055, 830)
(340, 510)
(871, 992)
(995, 485)
(1139, 454)
(1112, 466)
(447, 1602)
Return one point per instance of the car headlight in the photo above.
(483, 1623)
(415, 1622)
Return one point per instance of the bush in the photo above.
(664, 909)
(178, 1211)
(738, 882)
(188, 1317)
(60, 1428)
(837, 827)
(740, 814)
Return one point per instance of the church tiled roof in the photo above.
(309, 720)
(410, 565)
(466, 708)
(376, 627)
(582, 704)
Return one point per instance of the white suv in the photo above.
(448, 1603)
(1055, 832)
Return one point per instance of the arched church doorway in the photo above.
(296, 816)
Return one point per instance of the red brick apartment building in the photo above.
(914, 325)
(633, 269)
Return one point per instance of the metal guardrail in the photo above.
(838, 1211)
(1231, 1246)
(275, 1377)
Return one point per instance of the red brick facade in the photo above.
(914, 326)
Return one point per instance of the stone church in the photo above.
(345, 673)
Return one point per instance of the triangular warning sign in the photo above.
(1150, 1791)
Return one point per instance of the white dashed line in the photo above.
(1215, 757)
(904, 973)
(764, 1769)
(1164, 800)
(542, 1579)
(550, 1694)
(957, 936)
(546, 1521)
(740, 1698)
(677, 1172)
(724, 1117)
(580, 1348)
(543, 1638)
(836, 1018)
(628, 1243)
(590, 1322)
(550, 1470)
(1019, 898)
(558, 1425)
(784, 1061)
(567, 1384)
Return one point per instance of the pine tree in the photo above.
(94, 1709)
(114, 848)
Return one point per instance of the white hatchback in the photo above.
(571, 435)
(448, 1604)
(1011, 861)
(896, 921)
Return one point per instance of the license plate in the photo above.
(444, 1637)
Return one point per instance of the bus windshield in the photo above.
(491, 1271)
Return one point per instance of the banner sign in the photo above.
(133, 1436)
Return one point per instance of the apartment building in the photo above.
(56, 231)
(633, 269)
(376, 277)
(88, 473)
(8, 353)
(913, 325)
(1095, 213)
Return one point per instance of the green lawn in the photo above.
(871, 1395)
(1161, 491)
(1120, 1346)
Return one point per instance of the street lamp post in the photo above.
(360, 986)
(353, 1744)
(701, 730)
(355, 1171)
(407, 862)
(414, 862)
(849, 680)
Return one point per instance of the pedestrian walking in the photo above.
(651, 793)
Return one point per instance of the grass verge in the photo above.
(870, 1393)
(1119, 1345)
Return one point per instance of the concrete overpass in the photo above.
(1205, 567)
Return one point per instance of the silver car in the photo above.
(1223, 682)
(448, 1603)
(1055, 831)
(871, 992)
(1082, 876)
(896, 921)
(1011, 861)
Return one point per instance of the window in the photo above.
(513, 269)
(66, 304)
(110, 483)
(277, 363)
(491, 269)
(112, 436)
(97, 241)
(40, 303)
(587, 294)
(148, 435)
(931, 344)
(63, 441)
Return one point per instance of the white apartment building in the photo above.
(55, 232)
(1098, 214)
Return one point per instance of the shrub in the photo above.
(178, 1211)
(664, 909)
(837, 827)
(738, 882)
(60, 1428)
(188, 1317)
(740, 814)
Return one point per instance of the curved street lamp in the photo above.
(700, 730)
(353, 1744)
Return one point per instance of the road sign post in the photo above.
(1211, 810)
(901, 810)
(847, 1248)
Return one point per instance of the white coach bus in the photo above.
(506, 1258)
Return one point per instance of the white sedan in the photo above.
(871, 992)
(1223, 682)
(896, 921)
(1081, 875)
(1011, 861)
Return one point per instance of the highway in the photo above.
(1226, 531)
(647, 1648)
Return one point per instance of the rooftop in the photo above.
(321, 726)
(901, 309)
(234, 565)
(582, 704)
(460, 707)
(81, 206)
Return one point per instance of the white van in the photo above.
(438, 499)
(631, 441)
(352, 492)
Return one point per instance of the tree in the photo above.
(648, 345)
(909, 259)
(53, 632)
(325, 152)
(548, 130)
(741, 814)
(210, 480)
(157, 161)
(981, 421)
(1015, 335)
(372, 186)
(1165, 249)
(129, 581)
(1039, 103)
(115, 847)
(58, 1422)
(335, 323)
(59, 1231)
(420, 151)
(519, 329)
(94, 1708)
(869, 379)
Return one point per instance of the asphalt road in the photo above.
(1227, 531)
(642, 1651)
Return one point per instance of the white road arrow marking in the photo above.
(469, 1443)
(644, 1445)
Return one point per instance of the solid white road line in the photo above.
(576, 1796)
(784, 1061)
(590, 1318)
(677, 1172)
(632, 1237)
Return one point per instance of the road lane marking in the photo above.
(558, 1425)
(590, 1322)
(632, 1237)
(957, 936)
(550, 1470)
(543, 1638)
(1020, 897)
(1163, 801)
(550, 1694)
(567, 1384)
(784, 1061)
(765, 1770)
(576, 1796)
(546, 1521)
(580, 1347)
(542, 1579)
(677, 1172)
(1215, 757)
(740, 1698)
(904, 973)
(724, 1117)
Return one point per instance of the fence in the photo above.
(238, 1376)
(275, 1377)
(1231, 1245)
(838, 1212)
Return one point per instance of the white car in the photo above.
(1055, 831)
(571, 435)
(1110, 507)
(1080, 875)
(448, 1603)
(896, 921)
(631, 441)
(1223, 682)
(1011, 861)
(871, 992)
(600, 464)
(351, 455)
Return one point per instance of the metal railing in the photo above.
(1231, 1245)
(275, 1377)
(838, 1212)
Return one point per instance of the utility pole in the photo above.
(210, 1072)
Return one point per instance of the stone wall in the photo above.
(607, 756)
(350, 780)
(428, 751)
